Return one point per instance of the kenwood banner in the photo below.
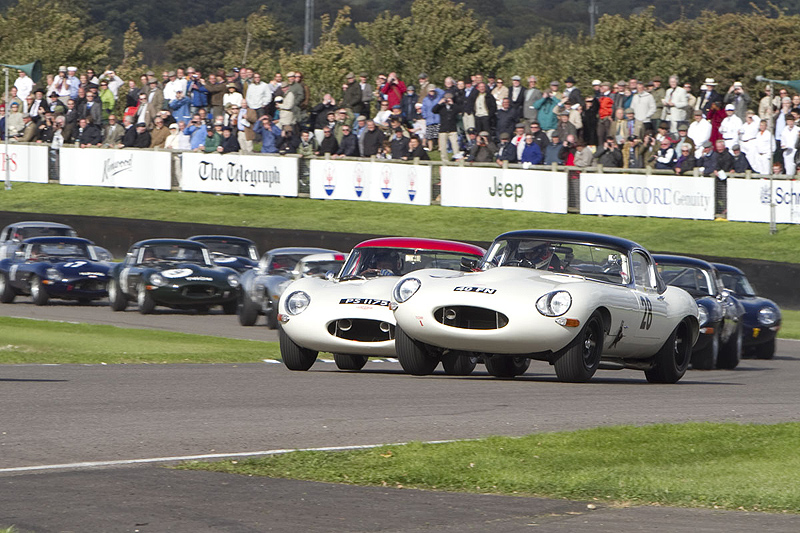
(25, 162)
(749, 200)
(374, 182)
(265, 175)
(524, 190)
(647, 196)
(136, 169)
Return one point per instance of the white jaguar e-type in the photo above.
(580, 301)
(349, 314)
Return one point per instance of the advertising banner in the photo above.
(239, 174)
(25, 162)
(135, 169)
(373, 182)
(749, 200)
(497, 188)
(647, 196)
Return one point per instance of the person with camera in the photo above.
(196, 130)
(448, 112)
(609, 155)
(484, 149)
(740, 100)
(393, 90)
(506, 152)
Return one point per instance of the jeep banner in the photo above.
(524, 190)
(137, 169)
(25, 163)
(749, 200)
(386, 182)
(263, 175)
(647, 196)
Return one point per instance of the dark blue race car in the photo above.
(237, 253)
(54, 267)
(762, 317)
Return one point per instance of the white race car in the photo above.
(580, 301)
(349, 315)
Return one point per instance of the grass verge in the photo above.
(731, 466)
(790, 325)
(45, 342)
(721, 239)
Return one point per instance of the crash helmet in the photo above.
(539, 255)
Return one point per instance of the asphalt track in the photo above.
(54, 416)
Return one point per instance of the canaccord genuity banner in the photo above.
(239, 174)
(372, 182)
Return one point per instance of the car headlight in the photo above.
(702, 315)
(297, 302)
(233, 280)
(157, 279)
(53, 274)
(406, 289)
(554, 303)
(767, 316)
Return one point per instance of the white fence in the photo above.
(239, 174)
(749, 200)
(498, 188)
(378, 181)
(137, 169)
(26, 162)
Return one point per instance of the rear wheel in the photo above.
(38, 292)
(506, 366)
(145, 300)
(229, 308)
(415, 357)
(116, 299)
(349, 362)
(579, 363)
(730, 352)
(7, 292)
(671, 361)
(706, 358)
(248, 311)
(272, 317)
(457, 363)
(294, 356)
(766, 350)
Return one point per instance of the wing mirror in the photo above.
(468, 264)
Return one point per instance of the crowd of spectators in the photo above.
(628, 124)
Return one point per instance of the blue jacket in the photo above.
(180, 110)
(551, 154)
(269, 137)
(199, 94)
(532, 154)
(197, 135)
(427, 107)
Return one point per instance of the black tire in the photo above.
(203, 309)
(38, 292)
(506, 366)
(457, 363)
(116, 299)
(766, 350)
(415, 357)
(580, 361)
(350, 362)
(293, 356)
(7, 292)
(145, 300)
(730, 353)
(706, 358)
(272, 317)
(671, 361)
(248, 311)
(230, 308)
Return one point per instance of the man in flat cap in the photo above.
(352, 98)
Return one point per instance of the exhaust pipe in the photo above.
(385, 327)
(344, 324)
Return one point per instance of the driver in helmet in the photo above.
(386, 264)
(148, 255)
(541, 257)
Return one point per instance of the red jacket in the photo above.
(606, 107)
(394, 92)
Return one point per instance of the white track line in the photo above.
(179, 458)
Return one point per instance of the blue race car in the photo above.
(54, 267)
(762, 317)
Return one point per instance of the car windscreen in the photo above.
(737, 283)
(173, 253)
(26, 232)
(693, 280)
(320, 268)
(58, 251)
(224, 247)
(283, 263)
(379, 261)
(589, 260)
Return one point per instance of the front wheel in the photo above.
(457, 363)
(415, 357)
(506, 366)
(294, 356)
(229, 308)
(145, 300)
(579, 363)
(730, 353)
(116, 299)
(706, 358)
(671, 361)
(766, 350)
(248, 311)
(38, 292)
(7, 292)
(349, 362)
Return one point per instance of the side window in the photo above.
(642, 272)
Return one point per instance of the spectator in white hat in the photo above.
(708, 95)
(731, 127)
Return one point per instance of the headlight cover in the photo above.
(157, 279)
(53, 274)
(767, 316)
(702, 315)
(406, 289)
(297, 302)
(554, 303)
(233, 280)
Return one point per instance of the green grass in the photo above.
(790, 327)
(722, 239)
(45, 342)
(730, 466)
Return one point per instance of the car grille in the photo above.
(90, 285)
(361, 330)
(467, 317)
(200, 291)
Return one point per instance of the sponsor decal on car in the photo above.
(177, 272)
(199, 278)
(364, 301)
(225, 260)
(484, 290)
(92, 274)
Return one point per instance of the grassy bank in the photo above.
(730, 466)
(723, 239)
(37, 341)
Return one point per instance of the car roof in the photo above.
(422, 243)
(328, 256)
(179, 242)
(300, 250)
(728, 268)
(577, 236)
(230, 238)
(48, 240)
(38, 224)
(682, 260)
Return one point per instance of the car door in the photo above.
(129, 273)
(654, 325)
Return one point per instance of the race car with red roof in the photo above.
(349, 315)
